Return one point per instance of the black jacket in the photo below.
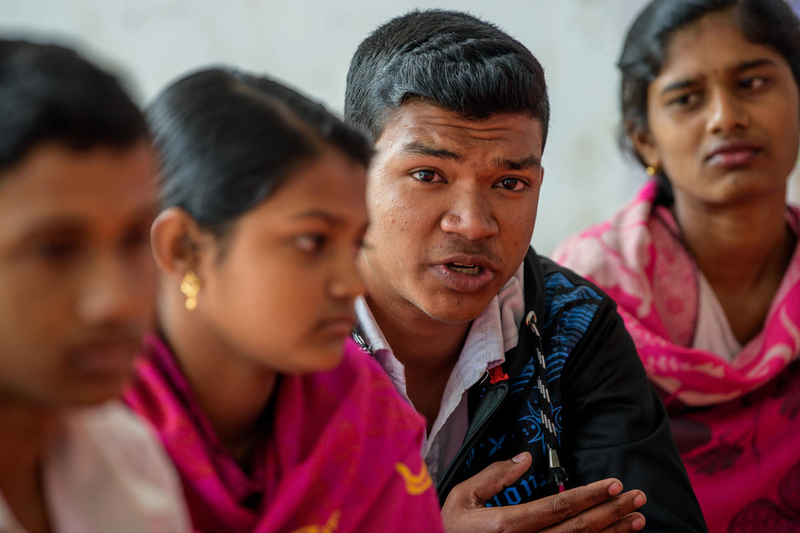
(609, 421)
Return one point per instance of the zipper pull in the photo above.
(530, 321)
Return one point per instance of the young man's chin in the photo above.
(456, 309)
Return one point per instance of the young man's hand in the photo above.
(595, 508)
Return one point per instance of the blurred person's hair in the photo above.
(766, 22)
(446, 58)
(227, 140)
(51, 94)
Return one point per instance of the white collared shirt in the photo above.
(106, 471)
(490, 336)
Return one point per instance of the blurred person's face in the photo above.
(279, 288)
(723, 115)
(77, 278)
(452, 205)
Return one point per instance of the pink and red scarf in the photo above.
(736, 423)
(342, 455)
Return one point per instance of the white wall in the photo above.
(309, 43)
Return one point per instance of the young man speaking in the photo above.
(524, 371)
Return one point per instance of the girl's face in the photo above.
(280, 287)
(723, 115)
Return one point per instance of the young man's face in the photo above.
(452, 204)
(77, 279)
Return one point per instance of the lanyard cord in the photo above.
(557, 476)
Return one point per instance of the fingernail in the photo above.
(637, 524)
(519, 458)
(639, 500)
(615, 489)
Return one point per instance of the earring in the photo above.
(190, 287)
(652, 171)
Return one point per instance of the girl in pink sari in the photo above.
(273, 422)
(704, 262)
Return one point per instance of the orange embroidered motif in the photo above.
(415, 484)
(329, 527)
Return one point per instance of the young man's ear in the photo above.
(174, 238)
(643, 143)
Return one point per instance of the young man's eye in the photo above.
(428, 176)
(137, 239)
(310, 243)
(512, 184)
(56, 251)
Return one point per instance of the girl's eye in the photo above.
(752, 83)
(427, 176)
(310, 243)
(685, 100)
(512, 184)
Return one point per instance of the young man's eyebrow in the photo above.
(530, 162)
(418, 148)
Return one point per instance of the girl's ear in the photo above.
(175, 238)
(644, 144)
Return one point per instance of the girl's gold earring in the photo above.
(651, 171)
(190, 287)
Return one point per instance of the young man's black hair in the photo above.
(51, 94)
(448, 58)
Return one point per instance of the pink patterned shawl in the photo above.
(342, 455)
(736, 424)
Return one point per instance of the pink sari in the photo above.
(736, 423)
(342, 453)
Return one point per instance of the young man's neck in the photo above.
(428, 349)
(26, 434)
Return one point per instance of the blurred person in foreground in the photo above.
(77, 286)
(274, 422)
(538, 408)
(704, 262)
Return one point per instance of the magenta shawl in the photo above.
(736, 424)
(343, 454)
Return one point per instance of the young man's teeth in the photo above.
(464, 269)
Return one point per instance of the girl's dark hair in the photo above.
(227, 140)
(767, 22)
(51, 94)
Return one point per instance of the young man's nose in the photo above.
(117, 290)
(470, 215)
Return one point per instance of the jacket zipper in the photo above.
(501, 387)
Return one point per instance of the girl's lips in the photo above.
(342, 326)
(466, 283)
(733, 158)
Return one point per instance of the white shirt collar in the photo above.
(490, 336)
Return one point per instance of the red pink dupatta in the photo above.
(343, 453)
(735, 423)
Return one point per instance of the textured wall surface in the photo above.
(309, 44)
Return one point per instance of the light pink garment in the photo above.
(105, 471)
(341, 453)
(736, 423)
